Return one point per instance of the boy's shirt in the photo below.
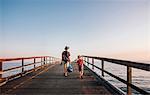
(80, 62)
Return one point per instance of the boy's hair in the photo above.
(79, 56)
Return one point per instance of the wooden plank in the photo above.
(88, 61)
(93, 63)
(34, 63)
(129, 80)
(1, 71)
(22, 66)
(52, 82)
(102, 68)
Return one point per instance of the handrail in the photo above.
(129, 64)
(44, 60)
(13, 59)
(138, 65)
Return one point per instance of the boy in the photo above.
(80, 66)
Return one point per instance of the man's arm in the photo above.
(69, 57)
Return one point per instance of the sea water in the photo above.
(140, 78)
(12, 64)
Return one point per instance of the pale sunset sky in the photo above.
(105, 28)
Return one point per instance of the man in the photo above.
(65, 59)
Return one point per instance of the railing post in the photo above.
(34, 63)
(44, 60)
(88, 61)
(41, 62)
(93, 63)
(22, 67)
(50, 60)
(84, 59)
(53, 60)
(1, 70)
(129, 80)
(102, 68)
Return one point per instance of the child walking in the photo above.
(80, 66)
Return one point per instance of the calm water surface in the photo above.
(140, 78)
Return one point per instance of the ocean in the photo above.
(140, 78)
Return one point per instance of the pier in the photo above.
(46, 77)
(111, 36)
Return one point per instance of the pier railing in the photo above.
(128, 64)
(22, 64)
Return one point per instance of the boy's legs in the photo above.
(80, 74)
(81, 71)
(79, 67)
(82, 68)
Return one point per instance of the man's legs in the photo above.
(65, 69)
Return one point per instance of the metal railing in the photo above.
(41, 61)
(128, 64)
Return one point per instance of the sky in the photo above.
(104, 28)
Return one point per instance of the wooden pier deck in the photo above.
(50, 81)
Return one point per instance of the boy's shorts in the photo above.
(80, 68)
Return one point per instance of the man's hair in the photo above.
(66, 47)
